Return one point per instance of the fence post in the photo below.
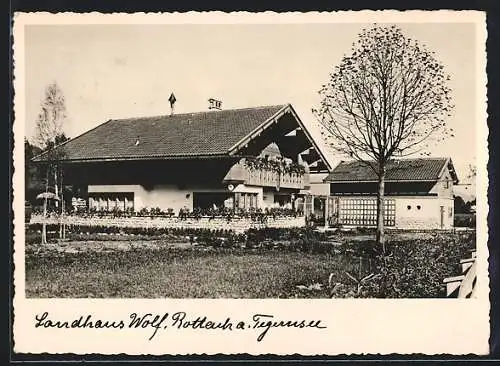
(327, 204)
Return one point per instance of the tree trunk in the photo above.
(60, 214)
(44, 221)
(56, 188)
(62, 233)
(62, 219)
(380, 209)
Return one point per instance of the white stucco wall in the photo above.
(316, 185)
(168, 196)
(427, 217)
(442, 189)
(162, 196)
(171, 196)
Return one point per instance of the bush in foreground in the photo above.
(413, 269)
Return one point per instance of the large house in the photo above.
(419, 194)
(242, 158)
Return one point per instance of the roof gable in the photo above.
(173, 136)
(423, 169)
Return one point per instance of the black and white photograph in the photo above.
(338, 160)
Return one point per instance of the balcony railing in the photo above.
(265, 177)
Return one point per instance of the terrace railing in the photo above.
(265, 177)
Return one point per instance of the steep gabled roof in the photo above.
(411, 170)
(210, 133)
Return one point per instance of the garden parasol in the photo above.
(47, 195)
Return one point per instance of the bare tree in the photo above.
(49, 133)
(50, 120)
(388, 98)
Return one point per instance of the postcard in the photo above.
(250, 183)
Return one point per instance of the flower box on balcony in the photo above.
(266, 175)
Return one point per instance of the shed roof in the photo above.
(412, 170)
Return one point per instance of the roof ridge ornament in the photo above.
(172, 101)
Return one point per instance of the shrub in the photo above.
(415, 268)
(143, 212)
(465, 220)
(152, 232)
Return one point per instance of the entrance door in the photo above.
(441, 216)
(206, 200)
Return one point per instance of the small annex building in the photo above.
(246, 158)
(418, 194)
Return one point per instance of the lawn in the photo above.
(146, 273)
(156, 269)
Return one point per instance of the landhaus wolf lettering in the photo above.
(43, 321)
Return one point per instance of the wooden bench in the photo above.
(464, 285)
(466, 263)
(453, 285)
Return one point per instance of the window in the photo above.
(129, 203)
(245, 201)
(252, 200)
(103, 203)
(93, 203)
(111, 201)
(446, 184)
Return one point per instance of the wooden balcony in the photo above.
(240, 173)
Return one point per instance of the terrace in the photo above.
(267, 173)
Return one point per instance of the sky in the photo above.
(121, 71)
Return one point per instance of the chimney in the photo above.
(214, 104)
